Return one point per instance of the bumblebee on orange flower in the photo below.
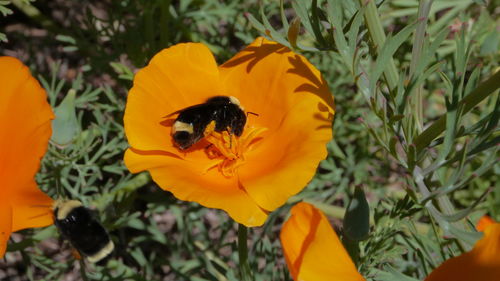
(243, 136)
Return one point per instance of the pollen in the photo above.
(228, 151)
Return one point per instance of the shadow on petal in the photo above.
(316, 86)
(256, 54)
(308, 240)
(154, 152)
(169, 122)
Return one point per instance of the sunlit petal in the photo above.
(25, 130)
(482, 263)
(313, 252)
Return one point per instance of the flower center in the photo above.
(227, 150)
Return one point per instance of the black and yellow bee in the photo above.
(77, 224)
(191, 123)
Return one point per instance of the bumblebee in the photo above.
(190, 124)
(77, 224)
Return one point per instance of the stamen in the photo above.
(227, 150)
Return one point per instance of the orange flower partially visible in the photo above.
(24, 133)
(482, 263)
(312, 250)
(484, 222)
(247, 176)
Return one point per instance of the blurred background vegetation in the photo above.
(394, 73)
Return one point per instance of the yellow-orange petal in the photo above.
(176, 78)
(30, 208)
(312, 250)
(294, 103)
(188, 181)
(484, 222)
(25, 129)
(25, 122)
(482, 263)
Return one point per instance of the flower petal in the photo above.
(177, 77)
(482, 263)
(484, 222)
(32, 208)
(5, 227)
(312, 250)
(188, 181)
(25, 116)
(25, 130)
(293, 101)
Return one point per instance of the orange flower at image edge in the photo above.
(25, 130)
(313, 252)
(484, 222)
(247, 176)
(482, 263)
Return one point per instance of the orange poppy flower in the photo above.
(482, 263)
(312, 250)
(484, 222)
(24, 133)
(247, 176)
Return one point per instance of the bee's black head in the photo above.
(183, 139)
(183, 134)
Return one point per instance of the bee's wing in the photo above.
(193, 108)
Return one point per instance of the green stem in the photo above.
(482, 91)
(423, 12)
(352, 248)
(246, 274)
(378, 37)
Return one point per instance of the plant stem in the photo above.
(378, 37)
(423, 12)
(482, 91)
(246, 274)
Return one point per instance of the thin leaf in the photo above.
(387, 51)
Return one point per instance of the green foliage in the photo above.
(416, 126)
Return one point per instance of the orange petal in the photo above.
(25, 130)
(177, 77)
(32, 208)
(294, 103)
(482, 263)
(484, 222)
(5, 227)
(25, 127)
(188, 181)
(312, 250)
